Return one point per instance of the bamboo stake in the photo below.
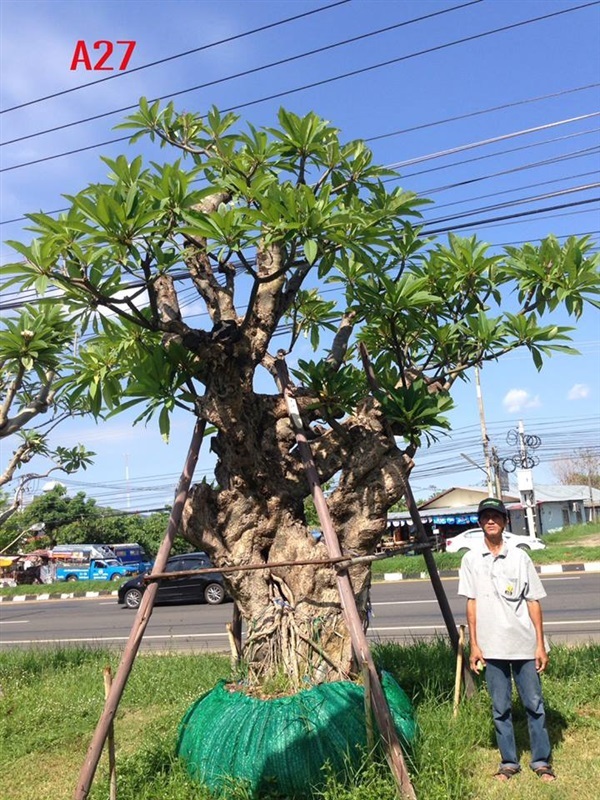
(112, 765)
(339, 562)
(368, 708)
(234, 634)
(88, 769)
(459, 667)
(360, 645)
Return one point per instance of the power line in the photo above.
(577, 214)
(178, 55)
(326, 81)
(555, 159)
(514, 189)
(471, 114)
(532, 165)
(509, 203)
(243, 73)
(480, 222)
(439, 122)
(484, 142)
(544, 162)
(561, 436)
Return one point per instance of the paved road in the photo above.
(402, 611)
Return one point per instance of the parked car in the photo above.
(473, 540)
(206, 588)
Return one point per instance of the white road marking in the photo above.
(441, 625)
(168, 637)
(101, 640)
(403, 602)
(13, 621)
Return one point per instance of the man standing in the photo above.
(47, 570)
(506, 636)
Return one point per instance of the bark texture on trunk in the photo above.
(256, 514)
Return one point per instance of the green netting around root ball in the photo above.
(282, 743)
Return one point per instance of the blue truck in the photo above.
(132, 555)
(97, 569)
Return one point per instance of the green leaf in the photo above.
(310, 250)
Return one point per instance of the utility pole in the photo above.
(525, 483)
(592, 507)
(497, 474)
(492, 490)
(127, 487)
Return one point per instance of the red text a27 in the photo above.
(81, 55)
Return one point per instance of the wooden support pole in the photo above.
(459, 667)
(368, 708)
(112, 764)
(436, 582)
(88, 770)
(360, 645)
(413, 509)
(234, 633)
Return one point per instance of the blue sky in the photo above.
(406, 109)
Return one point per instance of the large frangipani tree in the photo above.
(190, 278)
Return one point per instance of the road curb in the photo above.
(22, 598)
(541, 569)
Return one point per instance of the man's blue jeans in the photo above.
(529, 686)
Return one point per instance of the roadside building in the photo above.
(455, 510)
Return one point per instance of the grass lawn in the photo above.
(50, 703)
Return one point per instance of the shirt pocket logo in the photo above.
(508, 587)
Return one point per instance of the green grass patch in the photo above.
(61, 587)
(51, 701)
(574, 534)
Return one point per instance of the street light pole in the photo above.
(38, 526)
(484, 438)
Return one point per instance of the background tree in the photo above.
(32, 347)
(111, 526)
(56, 510)
(582, 468)
(258, 225)
(79, 520)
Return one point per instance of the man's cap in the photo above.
(492, 504)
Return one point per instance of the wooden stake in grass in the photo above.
(368, 708)
(411, 504)
(459, 667)
(234, 633)
(360, 645)
(88, 769)
(112, 764)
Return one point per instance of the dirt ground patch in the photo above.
(588, 541)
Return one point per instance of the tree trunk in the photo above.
(293, 615)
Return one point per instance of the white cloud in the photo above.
(517, 400)
(578, 392)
